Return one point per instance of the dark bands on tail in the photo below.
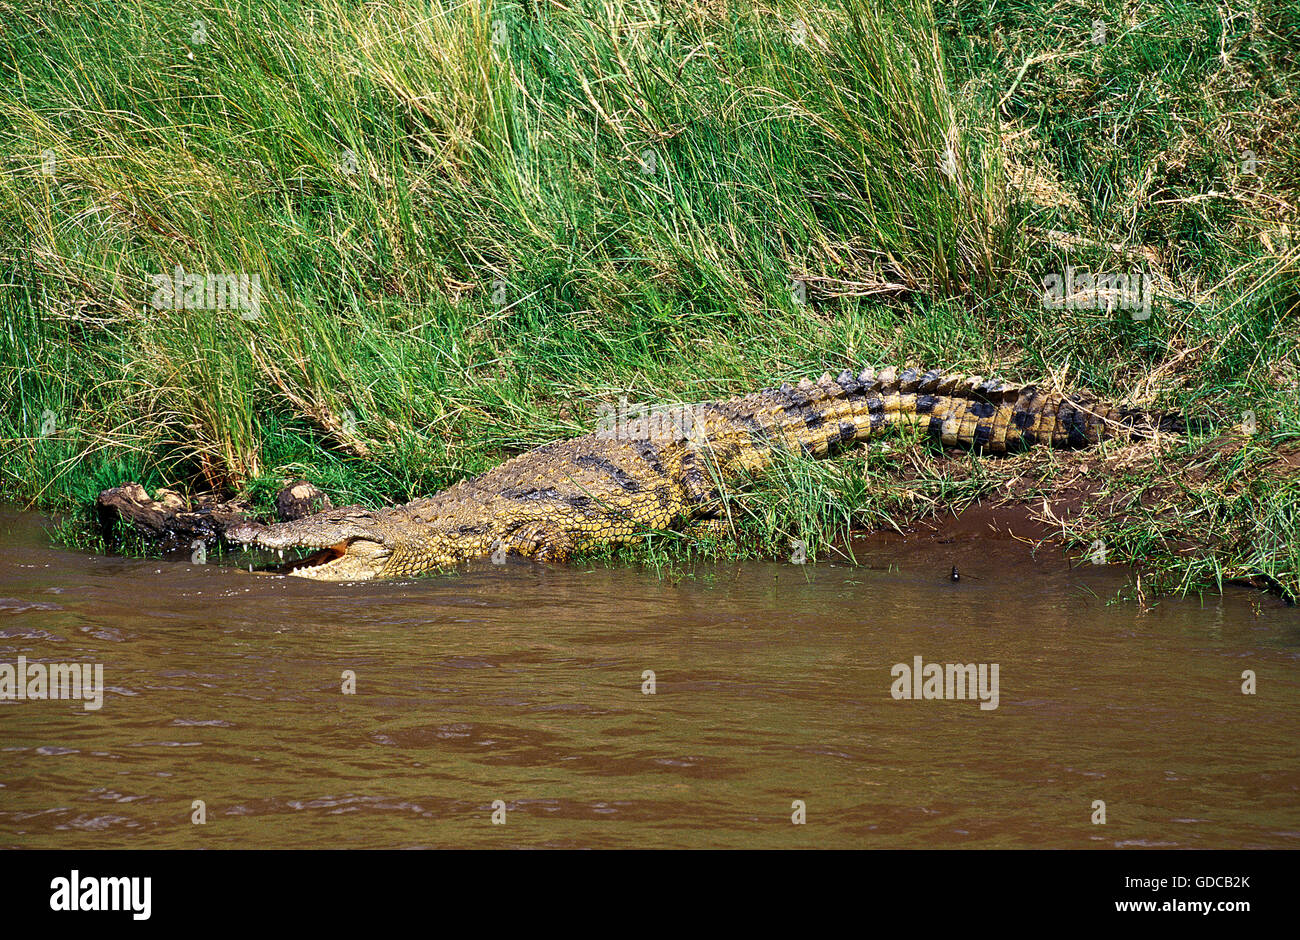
(1150, 422)
(954, 408)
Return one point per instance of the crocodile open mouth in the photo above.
(352, 559)
(313, 559)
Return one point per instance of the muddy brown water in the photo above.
(524, 684)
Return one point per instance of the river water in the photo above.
(526, 684)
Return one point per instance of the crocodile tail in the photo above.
(954, 408)
(1140, 423)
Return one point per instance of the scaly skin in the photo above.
(611, 486)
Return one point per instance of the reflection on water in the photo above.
(524, 684)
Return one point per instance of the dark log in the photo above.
(300, 499)
(167, 519)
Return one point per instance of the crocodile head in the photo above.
(349, 544)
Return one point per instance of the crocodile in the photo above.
(629, 477)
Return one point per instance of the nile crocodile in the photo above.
(615, 484)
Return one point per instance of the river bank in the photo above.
(386, 247)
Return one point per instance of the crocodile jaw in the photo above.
(353, 560)
(342, 555)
